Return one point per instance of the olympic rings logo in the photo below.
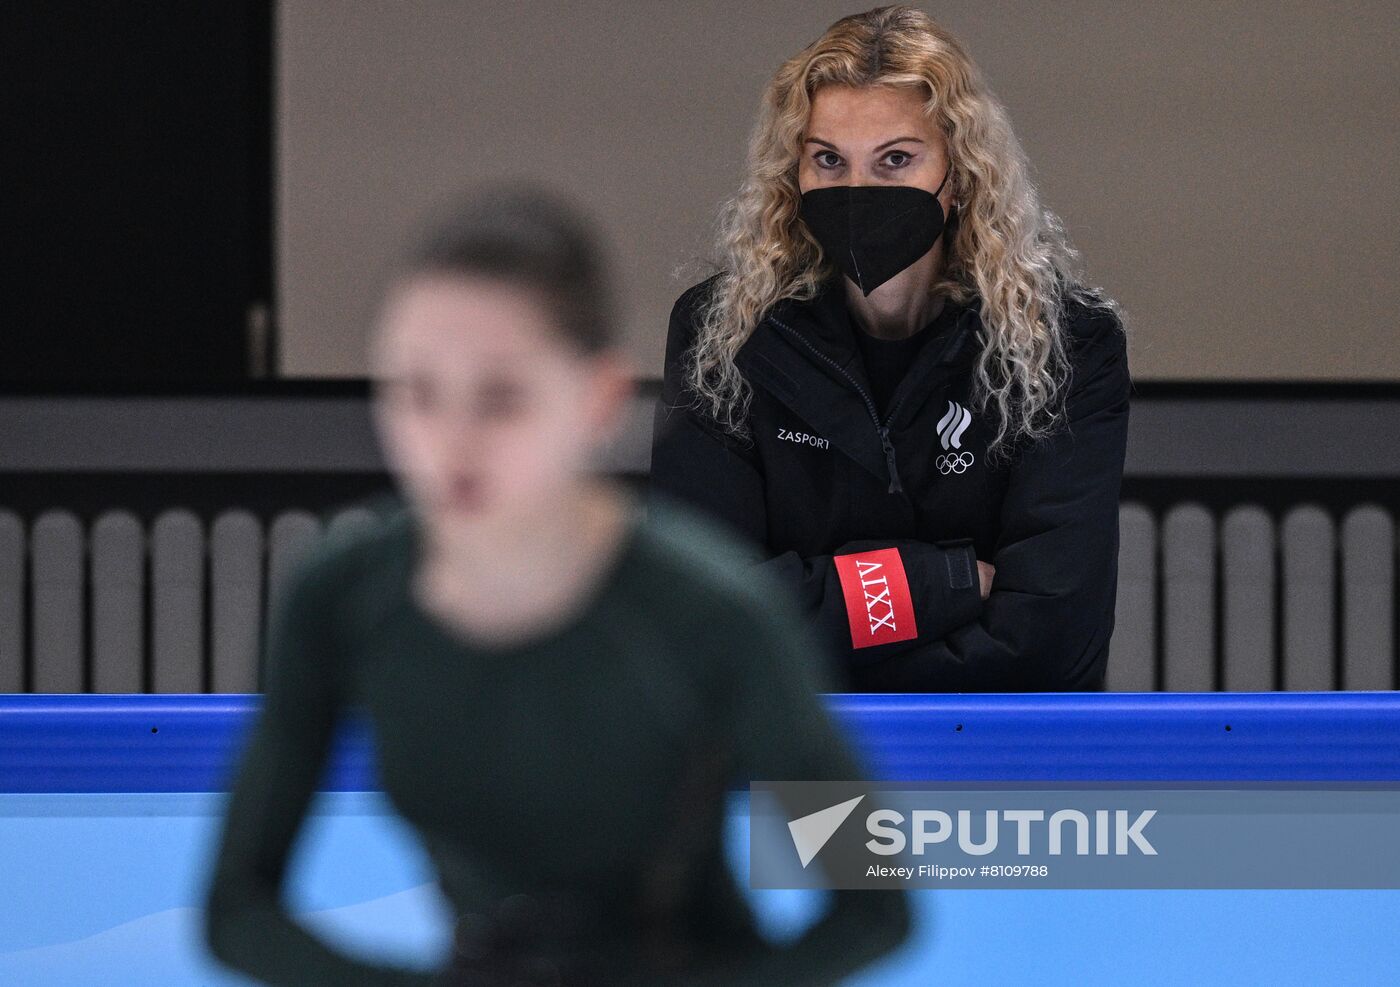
(954, 462)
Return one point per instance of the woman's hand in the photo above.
(985, 572)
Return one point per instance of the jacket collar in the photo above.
(824, 323)
(805, 354)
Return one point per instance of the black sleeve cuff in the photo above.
(961, 585)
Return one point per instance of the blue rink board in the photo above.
(105, 889)
(109, 804)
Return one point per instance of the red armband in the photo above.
(878, 605)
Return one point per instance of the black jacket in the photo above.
(827, 479)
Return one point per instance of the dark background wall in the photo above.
(137, 205)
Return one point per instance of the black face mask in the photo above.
(872, 232)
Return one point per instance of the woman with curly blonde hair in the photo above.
(897, 385)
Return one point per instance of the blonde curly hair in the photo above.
(1008, 250)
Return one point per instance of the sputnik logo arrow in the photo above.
(811, 832)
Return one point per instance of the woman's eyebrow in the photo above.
(897, 140)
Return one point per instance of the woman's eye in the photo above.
(904, 159)
(822, 156)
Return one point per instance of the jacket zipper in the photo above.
(882, 427)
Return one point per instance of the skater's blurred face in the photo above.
(485, 410)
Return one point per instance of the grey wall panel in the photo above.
(1247, 584)
(347, 520)
(289, 536)
(1368, 599)
(1167, 437)
(235, 599)
(57, 580)
(12, 564)
(177, 602)
(118, 543)
(1308, 540)
(177, 434)
(1188, 597)
(1228, 437)
(1132, 663)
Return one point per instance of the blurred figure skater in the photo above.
(561, 685)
